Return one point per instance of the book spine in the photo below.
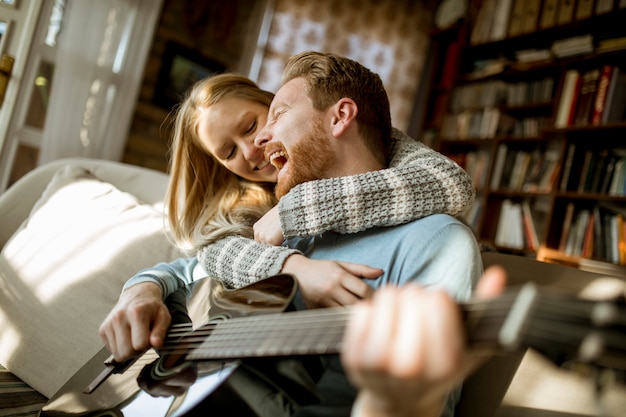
(601, 94)
(567, 225)
(567, 96)
(587, 97)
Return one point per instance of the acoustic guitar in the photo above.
(254, 322)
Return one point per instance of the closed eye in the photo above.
(231, 154)
(277, 113)
(252, 127)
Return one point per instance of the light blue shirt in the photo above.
(437, 251)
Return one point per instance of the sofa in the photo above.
(72, 231)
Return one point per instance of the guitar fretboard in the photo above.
(288, 334)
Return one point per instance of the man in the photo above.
(331, 118)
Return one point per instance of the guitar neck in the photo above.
(553, 324)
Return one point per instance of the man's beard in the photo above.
(310, 159)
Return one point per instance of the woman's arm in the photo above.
(420, 182)
(237, 261)
(170, 276)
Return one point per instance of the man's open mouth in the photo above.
(278, 159)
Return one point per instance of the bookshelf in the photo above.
(530, 98)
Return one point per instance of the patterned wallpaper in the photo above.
(390, 37)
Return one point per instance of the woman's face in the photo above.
(227, 131)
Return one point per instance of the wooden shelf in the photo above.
(525, 133)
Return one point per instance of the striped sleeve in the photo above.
(238, 261)
(418, 183)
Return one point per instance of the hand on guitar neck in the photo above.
(406, 349)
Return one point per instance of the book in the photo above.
(584, 170)
(575, 45)
(567, 167)
(510, 233)
(548, 14)
(615, 105)
(501, 17)
(482, 25)
(617, 182)
(516, 19)
(597, 171)
(569, 95)
(621, 238)
(584, 9)
(534, 171)
(532, 239)
(601, 94)
(607, 176)
(611, 44)
(531, 16)
(451, 65)
(520, 167)
(498, 166)
(565, 12)
(610, 250)
(603, 6)
(567, 225)
(504, 222)
(509, 166)
(578, 233)
(598, 240)
(586, 97)
(549, 171)
(588, 238)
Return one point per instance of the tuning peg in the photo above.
(604, 314)
(591, 347)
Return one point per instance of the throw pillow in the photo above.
(63, 270)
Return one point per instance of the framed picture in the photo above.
(181, 68)
(4, 32)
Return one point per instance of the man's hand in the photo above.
(406, 348)
(267, 228)
(138, 321)
(330, 283)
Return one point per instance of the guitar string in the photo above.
(550, 309)
(239, 329)
(234, 335)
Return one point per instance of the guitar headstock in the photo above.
(571, 332)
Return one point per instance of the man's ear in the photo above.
(344, 114)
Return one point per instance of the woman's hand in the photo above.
(267, 228)
(330, 283)
(138, 321)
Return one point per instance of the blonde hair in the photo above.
(205, 201)
(330, 77)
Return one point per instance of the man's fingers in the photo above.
(492, 283)
(159, 328)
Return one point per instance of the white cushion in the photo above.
(62, 272)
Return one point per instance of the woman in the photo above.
(221, 185)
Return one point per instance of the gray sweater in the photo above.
(418, 183)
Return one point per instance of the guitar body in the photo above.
(120, 395)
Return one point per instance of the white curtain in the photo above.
(101, 56)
